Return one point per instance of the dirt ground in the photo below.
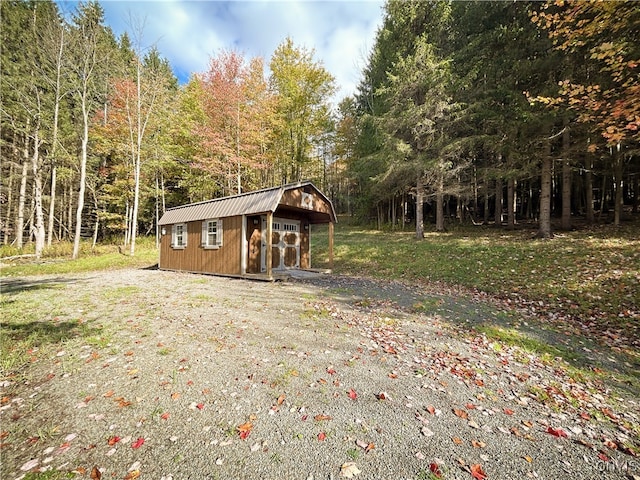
(166, 375)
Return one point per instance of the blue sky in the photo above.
(189, 32)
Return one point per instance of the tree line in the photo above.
(98, 137)
(487, 112)
(497, 111)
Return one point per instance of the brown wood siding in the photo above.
(293, 198)
(195, 258)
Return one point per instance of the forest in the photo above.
(472, 112)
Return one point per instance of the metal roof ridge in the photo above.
(283, 187)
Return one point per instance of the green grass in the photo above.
(57, 259)
(589, 273)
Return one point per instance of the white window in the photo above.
(212, 233)
(179, 235)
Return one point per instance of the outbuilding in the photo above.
(229, 236)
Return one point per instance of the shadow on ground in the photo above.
(19, 285)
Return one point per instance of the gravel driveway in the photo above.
(167, 375)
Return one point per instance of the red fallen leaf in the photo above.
(477, 472)
(611, 444)
(165, 415)
(322, 436)
(470, 406)
(245, 429)
(461, 413)
(435, 470)
(320, 417)
(331, 371)
(585, 416)
(352, 394)
(556, 432)
(603, 457)
(200, 406)
(113, 440)
(431, 409)
(189, 383)
(508, 411)
(138, 443)
(304, 418)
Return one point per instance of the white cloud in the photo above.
(188, 33)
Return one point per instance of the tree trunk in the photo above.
(566, 180)
(499, 203)
(54, 138)
(617, 174)
(37, 181)
(419, 207)
(83, 179)
(440, 203)
(22, 198)
(511, 204)
(544, 229)
(588, 181)
(9, 204)
(636, 188)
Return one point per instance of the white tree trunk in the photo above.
(83, 179)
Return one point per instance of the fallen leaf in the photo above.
(432, 410)
(113, 440)
(95, 474)
(556, 432)
(165, 415)
(331, 371)
(528, 458)
(461, 413)
(477, 472)
(280, 400)
(200, 406)
(457, 440)
(508, 411)
(132, 475)
(175, 395)
(352, 394)
(244, 430)
(138, 443)
(349, 470)
(321, 417)
(434, 468)
(322, 436)
(478, 444)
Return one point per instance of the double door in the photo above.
(285, 244)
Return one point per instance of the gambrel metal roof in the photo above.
(251, 203)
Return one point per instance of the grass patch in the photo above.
(57, 259)
(513, 337)
(588, 273)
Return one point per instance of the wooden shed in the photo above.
(229, 236)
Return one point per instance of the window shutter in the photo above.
(173, 235)
(219, 235)
(205, 231)
(185, 235)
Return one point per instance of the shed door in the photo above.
(285, 244)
